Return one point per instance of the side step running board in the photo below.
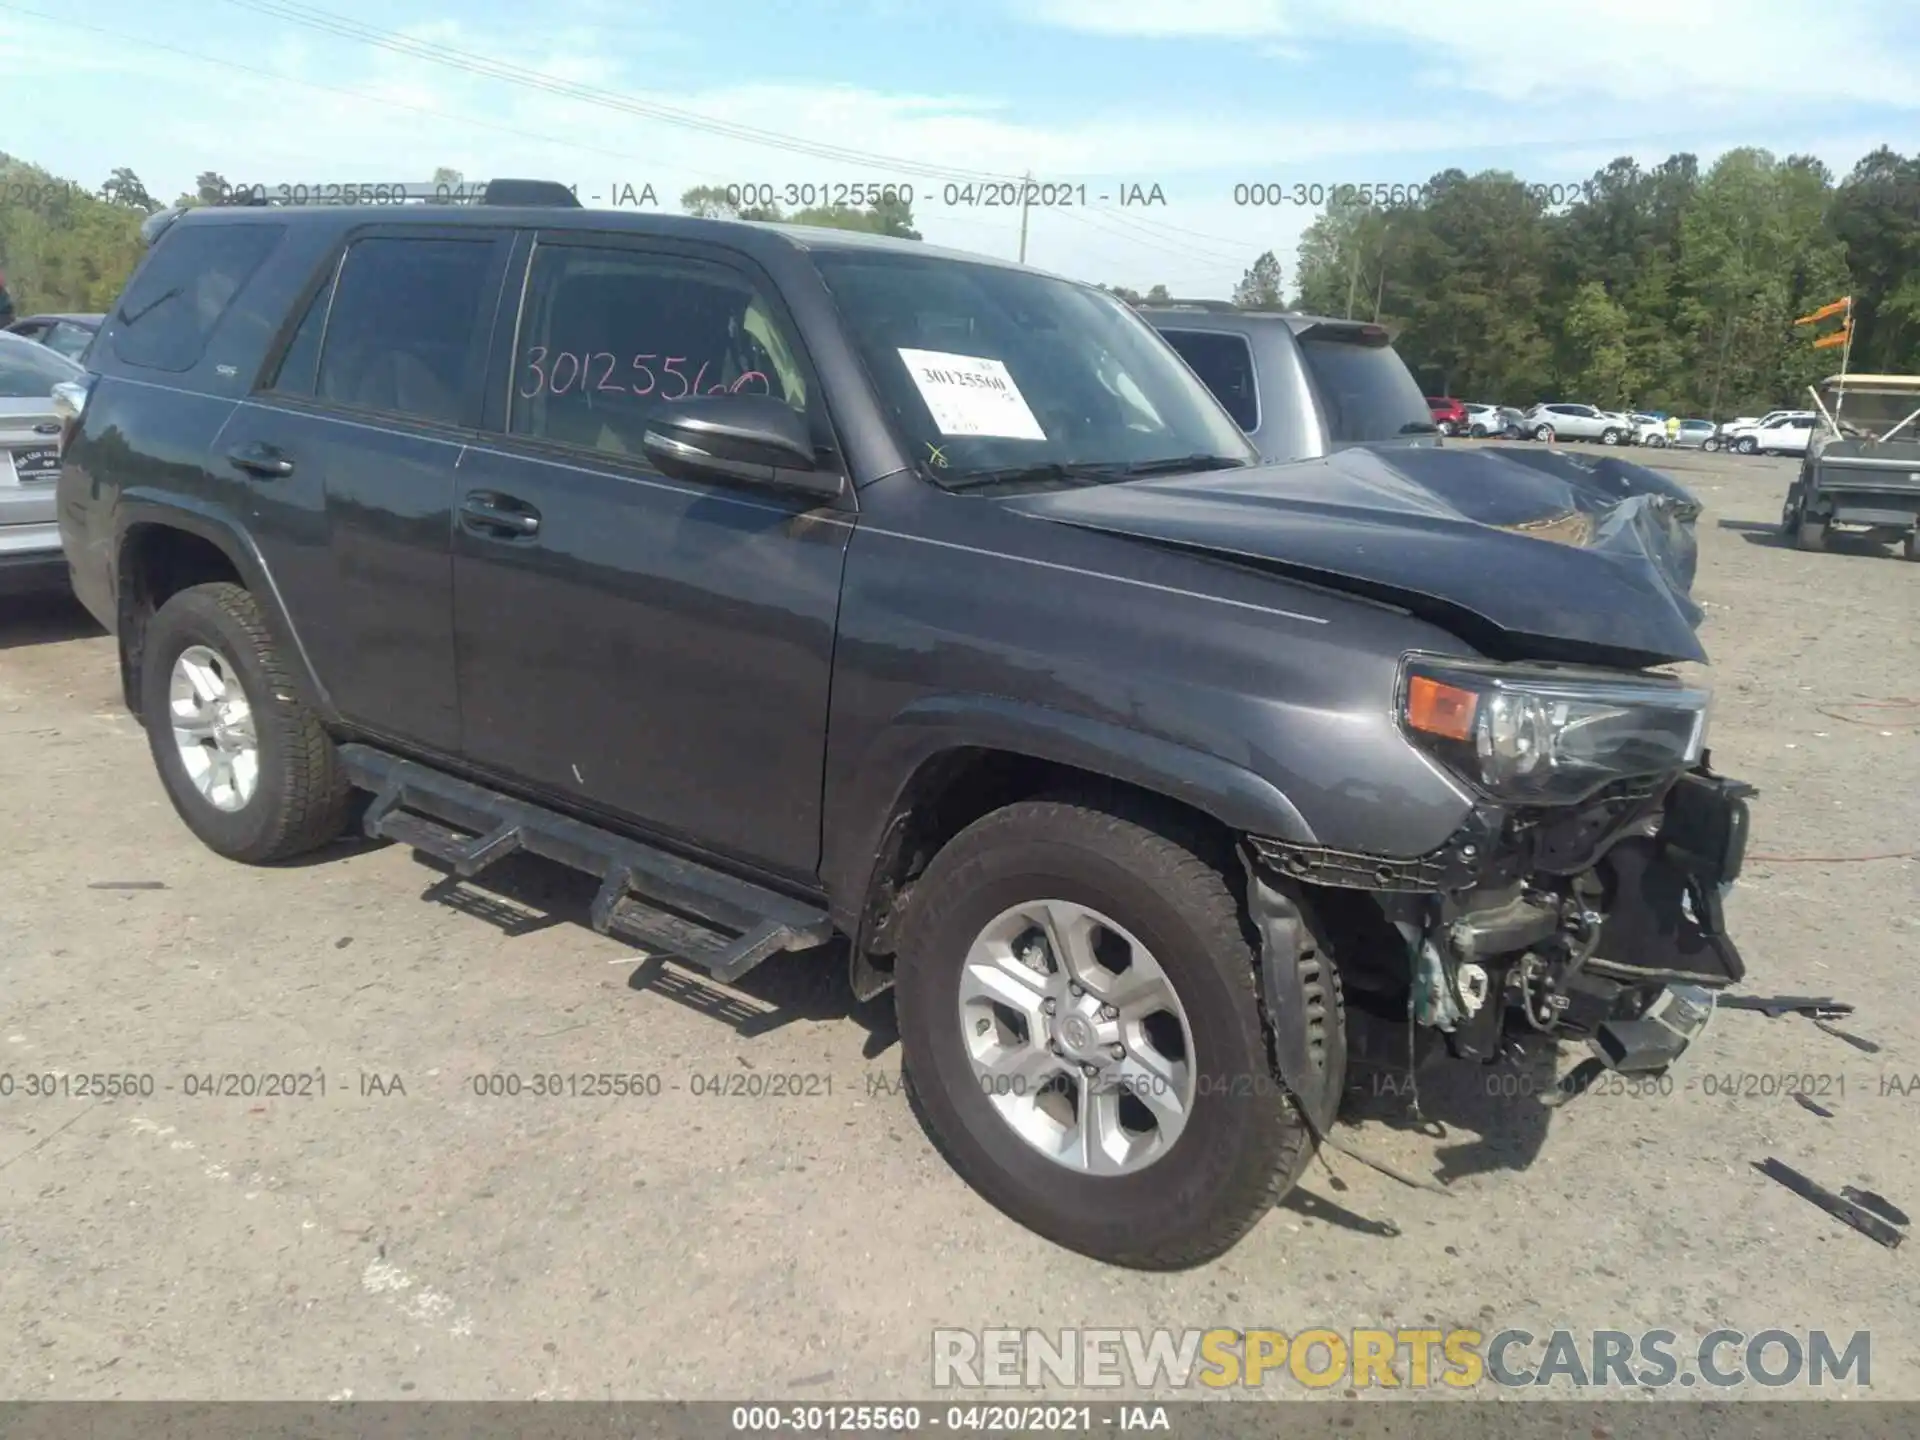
(663, 903)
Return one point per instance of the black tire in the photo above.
(1244, 1143)
(1710, 445)
(1745, 445)
(303, 798)
(1609, 436)
(1543, 433)
(1478, 432)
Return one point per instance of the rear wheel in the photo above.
(1082, 1031)
(244, 760)
(1709, 445)
(1746, 445)
(1478, 432)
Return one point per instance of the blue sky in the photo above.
(1193, 96)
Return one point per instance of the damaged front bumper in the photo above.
(1602, 923)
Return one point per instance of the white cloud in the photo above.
(1680, 55)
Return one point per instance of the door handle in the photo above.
(499, 514)
(258, 458)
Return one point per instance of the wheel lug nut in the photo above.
(1108, 1012)
(1047, 1006)
(1119, 1052)
(1075, 991)
(1088, 1069)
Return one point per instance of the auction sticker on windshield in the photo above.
(970, 395)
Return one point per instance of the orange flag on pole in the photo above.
(1839, 337)
(1826, 311)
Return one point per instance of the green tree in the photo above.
(1259, 288)
(1597, 329)
(123, 187)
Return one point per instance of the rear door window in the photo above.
(1225, 364)
(403, 331)
(175, 300)
(1366, 390)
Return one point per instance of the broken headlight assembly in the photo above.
(1540, 735)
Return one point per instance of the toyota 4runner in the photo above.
(923, 601)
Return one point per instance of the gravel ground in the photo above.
(402, 1236)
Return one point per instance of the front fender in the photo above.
(880, 783)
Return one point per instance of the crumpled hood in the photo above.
(1536, 557)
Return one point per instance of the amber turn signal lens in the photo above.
(1439, 709)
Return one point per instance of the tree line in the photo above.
(1672, 288)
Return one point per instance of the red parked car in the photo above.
(1449, 414)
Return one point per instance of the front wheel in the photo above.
(1609, 437)
(1543, 433)
(1710, 445)
(1746, 445)
(244, 760)
(1082, 1032)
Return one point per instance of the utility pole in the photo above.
(1026, 200)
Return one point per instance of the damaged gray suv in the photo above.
(923, 613)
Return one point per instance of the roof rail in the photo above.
(428, 192)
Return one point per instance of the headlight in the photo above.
(1548, 737)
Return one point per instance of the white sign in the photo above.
(971, 396)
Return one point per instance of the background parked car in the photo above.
(1559, 420)
(1697, 435)
(1515, 421)
(1449, 414)
(1787, 435)
(1649, 429)
(1301, 386)
(68, 334)
(1489, 420)
(30, 553)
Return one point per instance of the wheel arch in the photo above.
(164, 546)
(949, 760)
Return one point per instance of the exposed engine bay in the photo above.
(1600, 922)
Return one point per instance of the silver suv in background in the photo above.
(1562, 421)
(1301, 386)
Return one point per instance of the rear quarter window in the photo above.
(1367, 392)
(1224, 364)
(177, 298)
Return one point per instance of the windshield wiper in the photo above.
(1180, 464)
(1030, 474)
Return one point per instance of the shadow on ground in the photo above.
(45, 619)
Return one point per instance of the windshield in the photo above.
(1870, 414)
(994, 371)
(1366, 391)
(30, 371)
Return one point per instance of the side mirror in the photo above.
(752, 438)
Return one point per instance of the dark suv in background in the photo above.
(801, 584)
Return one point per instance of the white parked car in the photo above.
(1648, 429)
(1786, 435)
(1730, 431)
(1483, 420)
(1560, 421)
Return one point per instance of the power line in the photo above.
(470, 63)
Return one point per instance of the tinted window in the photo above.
(295, 373)
(1225, 363)
(610, 339)
(400, 335)
(176, 298)
(1367, 392)
(986, 367)
(30, 371)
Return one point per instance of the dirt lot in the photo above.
(402, 1236)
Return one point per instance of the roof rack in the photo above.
(424, 192)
